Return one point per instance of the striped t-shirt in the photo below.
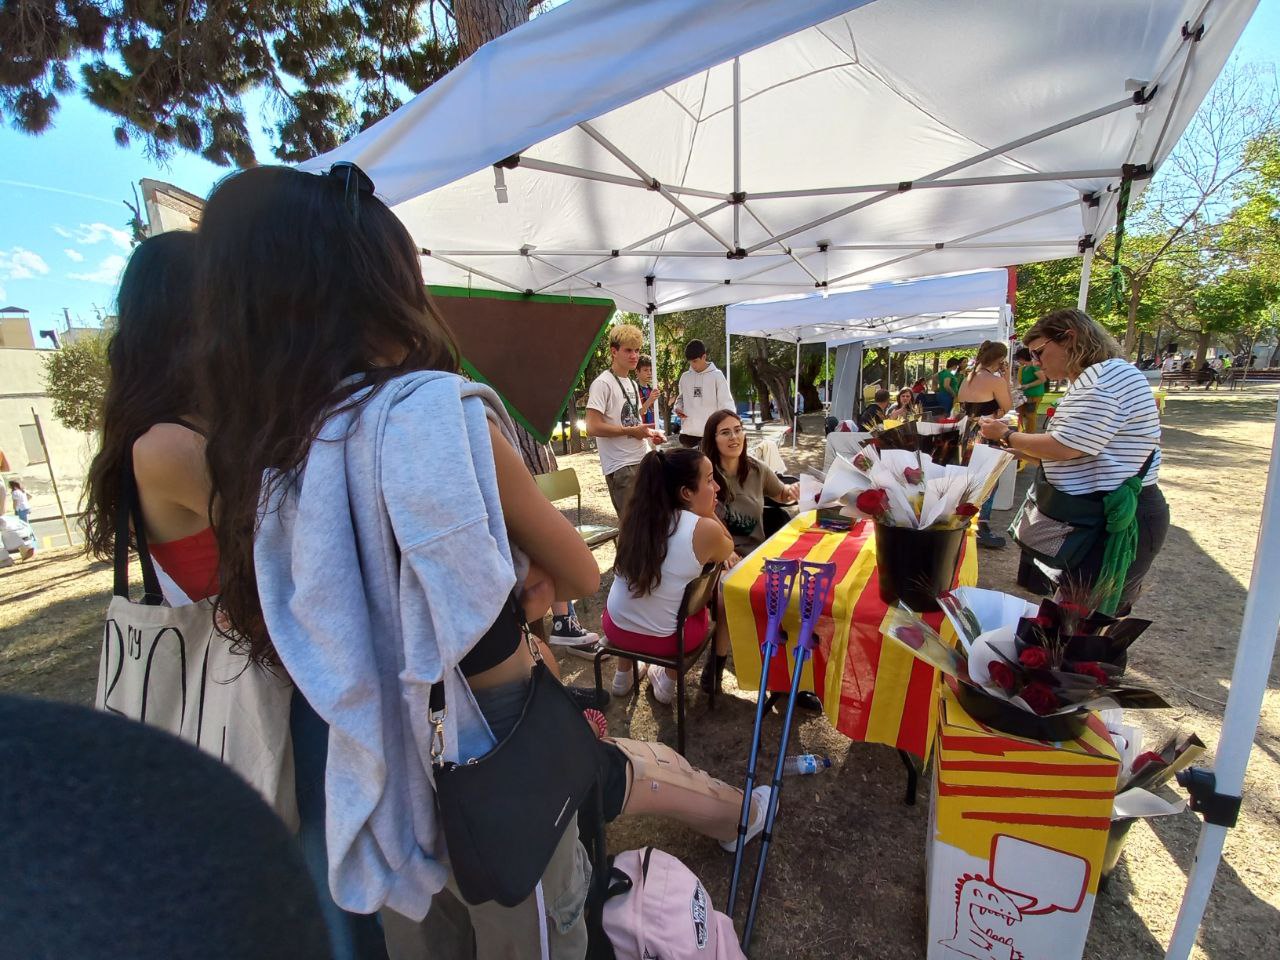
(1110, 414)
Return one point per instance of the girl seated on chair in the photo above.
(669, 533)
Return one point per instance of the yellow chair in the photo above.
(563, 484)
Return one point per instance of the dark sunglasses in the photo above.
(1048, 340)
(354, 182)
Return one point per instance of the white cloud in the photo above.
(75, 255)
(21, 264)
(87, 234)
(108, 271)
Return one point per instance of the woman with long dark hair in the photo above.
(669, 534)
(744, 483)
(150, 425)
(373, 522)
(149, 419)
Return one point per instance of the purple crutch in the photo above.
(816, 580)
(779, 578)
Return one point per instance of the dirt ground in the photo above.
(846, 873)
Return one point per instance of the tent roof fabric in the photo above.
(732, 149)
(922, 306)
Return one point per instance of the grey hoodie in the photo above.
(701, 395)
(379, 567)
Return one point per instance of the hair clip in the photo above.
(354, 182)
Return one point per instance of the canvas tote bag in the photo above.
(169, 668)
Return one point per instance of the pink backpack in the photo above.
(658, 910)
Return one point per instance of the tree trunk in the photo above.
(480, 21)
(1131, 326)
(1202, 347)
(772, 382)
(576, 442)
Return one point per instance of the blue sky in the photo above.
(63, 233)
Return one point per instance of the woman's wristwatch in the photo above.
(1004, 441)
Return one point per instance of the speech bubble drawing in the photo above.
(1050, 879)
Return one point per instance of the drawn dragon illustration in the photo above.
(985, 919)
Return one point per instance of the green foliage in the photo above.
(174, 75)
(76, 377)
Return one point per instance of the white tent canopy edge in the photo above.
(680, 153)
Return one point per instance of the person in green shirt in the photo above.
(1032, 381)
(949, 383)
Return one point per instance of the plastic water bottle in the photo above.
(804, 764)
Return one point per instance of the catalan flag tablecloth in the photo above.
(870, 691)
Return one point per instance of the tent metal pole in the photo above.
(1244, 705)
(737, 152)
(636, 250)
(795, 405)
(635, 168)
(961, 165)
(653, 356)
(728, 360)
(1100, 174)
(1086, 268)
(582, 173)
(785, 249)
(979, 233)
(479, 273)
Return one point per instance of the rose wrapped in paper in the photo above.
(1039, 659)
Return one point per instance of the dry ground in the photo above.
(846, 875)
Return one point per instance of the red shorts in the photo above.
(695, 631)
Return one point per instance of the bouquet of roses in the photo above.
(1052, 660)
(904, 488)
(939, 441)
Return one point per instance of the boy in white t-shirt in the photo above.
(614, 415)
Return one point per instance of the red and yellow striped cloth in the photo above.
(871, 691)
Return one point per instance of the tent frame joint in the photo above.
(1143, 96)
(1196, 35)
(737, 253)
(1219, 809)
(1136, 171)
(510, 163)
(1086, 243)
(905, 185)
(738, 196)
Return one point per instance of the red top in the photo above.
(192, 563)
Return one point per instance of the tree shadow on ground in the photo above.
(53, 651)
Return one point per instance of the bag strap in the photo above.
(129, 508)
(437, 708)
(1151, 458)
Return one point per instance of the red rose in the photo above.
(1090, 670)
(911, 635)
(1034, 658)
(1144, 758)
(873, 502)
(913, 475)
(1002, 676)
(1040, 698)
(862, 462)
(966, 510)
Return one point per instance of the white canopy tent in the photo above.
(681, 153)
(922, 314)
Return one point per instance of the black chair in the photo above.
(698, 595)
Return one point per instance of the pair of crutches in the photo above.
(780, 576)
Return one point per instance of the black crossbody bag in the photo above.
(504, 813)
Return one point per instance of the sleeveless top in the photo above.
(189, 564)
(655, 613)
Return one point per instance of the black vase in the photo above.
(916, 566)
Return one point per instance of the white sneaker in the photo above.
(759, 808)
(663, 687)
(624, 680)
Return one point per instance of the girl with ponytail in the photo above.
(670, 532)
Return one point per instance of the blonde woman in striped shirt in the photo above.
(1106, 430)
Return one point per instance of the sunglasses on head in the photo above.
(354, 182)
